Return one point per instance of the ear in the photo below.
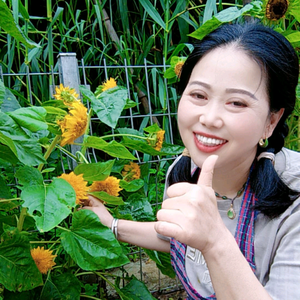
(273, 121)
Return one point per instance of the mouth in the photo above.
(210, 141)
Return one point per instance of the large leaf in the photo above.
(109, 104)
(138, 208)
(135, 290)
(10, 102)
(7, 154)
(29, 176)
(2, 92)
(91, 244)
(8, 24)
(132, 186)
(112, 148)
(65, 286)
(224, 16)
(18, 271)
(32, 118)
(49, 204)
(95, 171)
(143, 146)
(23, 145)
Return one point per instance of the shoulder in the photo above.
(287, 165)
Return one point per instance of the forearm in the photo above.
(231, 275)
(141, 234)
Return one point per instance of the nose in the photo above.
(211, 116)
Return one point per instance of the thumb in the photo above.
(207, 171)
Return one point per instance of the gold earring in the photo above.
(263, 143)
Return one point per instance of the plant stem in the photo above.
(7, 200)
(49, 150)
(22, 218)
(43, 242)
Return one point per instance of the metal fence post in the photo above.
(69, 76)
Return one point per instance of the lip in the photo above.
(208, 148)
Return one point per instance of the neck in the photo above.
(229, 182)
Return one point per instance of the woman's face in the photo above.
(224, 109)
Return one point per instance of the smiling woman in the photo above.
(230, 217)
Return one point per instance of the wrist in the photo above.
(114, 227)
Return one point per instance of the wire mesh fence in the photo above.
(156, 102)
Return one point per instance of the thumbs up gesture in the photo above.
(190, 214)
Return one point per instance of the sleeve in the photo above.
(284, 275)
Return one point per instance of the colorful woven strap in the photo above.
(244, 236)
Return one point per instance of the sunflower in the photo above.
(108, 84)
(74, 124)
(159, 139)
(178, 67)
(110, 185)
(276, 9)
(43, 259)
(65, 94)
(131, 171)
(78, 184)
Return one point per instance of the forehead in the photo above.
(229, 66)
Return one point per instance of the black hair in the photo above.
(280, 66)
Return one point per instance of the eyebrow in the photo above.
(240, 91)
(229, 90)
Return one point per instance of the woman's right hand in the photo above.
(96, 205)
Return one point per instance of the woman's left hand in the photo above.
(190, 214)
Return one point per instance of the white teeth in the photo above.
(209, 141)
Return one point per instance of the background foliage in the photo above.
(111, 33)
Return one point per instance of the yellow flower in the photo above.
(110, 185)
(43, 259)
(66, 94)
(79, 185)
(108, 84)
(74, 124)
(276, 9)
(178, 67)
(131, 171)
(159, 139)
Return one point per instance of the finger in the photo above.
(168, 229)
(178, 189)
(207, 171)
(93, 201)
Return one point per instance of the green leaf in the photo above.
(152, 128)
(132, 186)
(107, 198)
(65, 286)
(108, 105)
(10, 102)
(293, 37)
(8, 142)
(29, 176)
(143, 146)
(135, 290)
(95, 171)
(163, 262)
(32, 118)
(224, 16)
(112, 148)
(26, 147)
(18, 271)
(151, 10)
(2, 92)
(130, 104)
(91, 244)
(139, 208)
(7, 155)
(8, 24)
(49, 204)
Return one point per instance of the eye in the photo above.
(238, 104)
(198, 96)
